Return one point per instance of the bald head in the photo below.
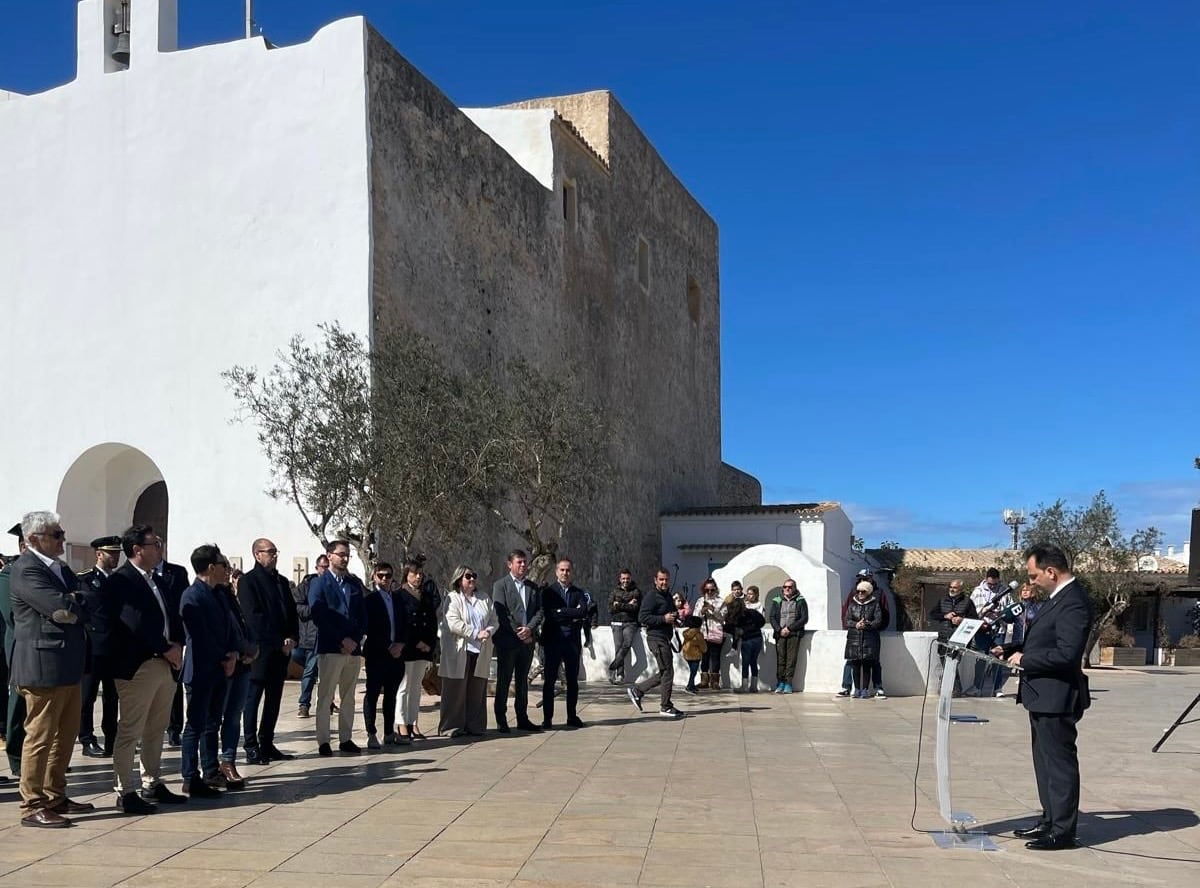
(265, 553)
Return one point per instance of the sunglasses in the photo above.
(384, 576)
(59, 534)
(468, 576)
(267, 552)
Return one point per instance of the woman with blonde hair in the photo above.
(468, 623)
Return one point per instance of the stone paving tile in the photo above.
(52, 875)
(191, 879)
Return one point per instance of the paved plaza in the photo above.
(748, 791)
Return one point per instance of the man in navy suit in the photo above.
(1054, 690)
(211, 656)
(566, 607)
(383, 655)
(335, 600)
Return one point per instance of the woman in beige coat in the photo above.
(468, 621)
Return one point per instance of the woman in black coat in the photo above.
(864, 617)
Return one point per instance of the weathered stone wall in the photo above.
(738, 488)
(470, 249)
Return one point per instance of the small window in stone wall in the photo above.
(693, 299)
(643, 263)
(570, 204)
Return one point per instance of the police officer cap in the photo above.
(15, 530)
(108, 544)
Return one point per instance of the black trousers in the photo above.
(108, 714)
(266, 688)
(1056, 767)
(511, 664)
(383, 676)
(16, 730)
(566, 655)
(175, 725)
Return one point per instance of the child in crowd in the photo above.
(693, 649)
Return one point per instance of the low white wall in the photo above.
(905, 661)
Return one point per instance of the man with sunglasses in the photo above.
(147, 645)
(47, 667)
(335, 600)
(270, 612)
(383, 655)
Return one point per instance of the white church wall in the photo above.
(523, 134)
(176, 218)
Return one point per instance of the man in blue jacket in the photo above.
(211, 655)
(336, 604)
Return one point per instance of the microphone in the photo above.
(991, 605)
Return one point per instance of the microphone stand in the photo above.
(1179, 721)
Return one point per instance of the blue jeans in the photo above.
(205, 702)
(231, 717)
(751, 649)
(876, 675)
(308, 681)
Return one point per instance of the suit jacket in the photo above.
(512, 613)
(46, 653)
(6, 611)
(98, 625)
(209, 631)
(137, 631)
(338, 614)
(1052, 680)
(172, 580)
(421, 620)
(565, 613)
(270, 613)
(382, 631)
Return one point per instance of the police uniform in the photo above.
(98, 675)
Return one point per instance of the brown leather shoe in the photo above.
(46, 819)
(70, 806)
(233, 780)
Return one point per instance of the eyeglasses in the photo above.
(59, 534)
(339, 554)
(789, 587)
(468, 576)
(149, 544)
(267, 552)
(384, 576)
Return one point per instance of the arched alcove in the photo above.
(100, 492)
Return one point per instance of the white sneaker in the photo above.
(880, 694)
(670, 712)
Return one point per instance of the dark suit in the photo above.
(384, 672)
(210, 637)
(1054, 689)
(99, 673)
(514, 657)
(270, 613)
(565, 612)
(15, 707)
(48, 658)
(172, 579)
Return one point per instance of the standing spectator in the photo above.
(946, 615)
(747, 624)
(335, 600)
(658, 617)
(789, 615)
(210, 657)
(990, 598)
(237, 685)
(14, 734)
(1019, 614)
(623, 609)
(468, 622)
(710, 609)
(692, 650)
(567, 608)
(683, 610)
(305, 652)
(518, 605)
(171, 580)
(46, 670)
(421, 604)
(752, 599)
(862, 621)
(99, 671)
(864, 576)
(270, 613)
(147, 654)
(384, 655)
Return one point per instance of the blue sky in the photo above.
(959, 240)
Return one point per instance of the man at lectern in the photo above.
(1054, 690)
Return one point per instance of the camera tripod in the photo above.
(1179, 721)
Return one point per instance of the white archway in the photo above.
(768, 566)
(98, 494)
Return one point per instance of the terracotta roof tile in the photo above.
(807, 509)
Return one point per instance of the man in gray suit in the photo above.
(47, 666)
(518, 604)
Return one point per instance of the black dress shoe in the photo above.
(198, 789)
(547, 726)
(349, 747)
(1036, 831)
(173, 738)
(70, 806)
(278, 755)
(92, 749)
(132, 803)
(503, 728)
(256, 756)
(163, 796)
(1052, 843)
(529, 726)
(324, 750)
(575, 722)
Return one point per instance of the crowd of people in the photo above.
(202, 665)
